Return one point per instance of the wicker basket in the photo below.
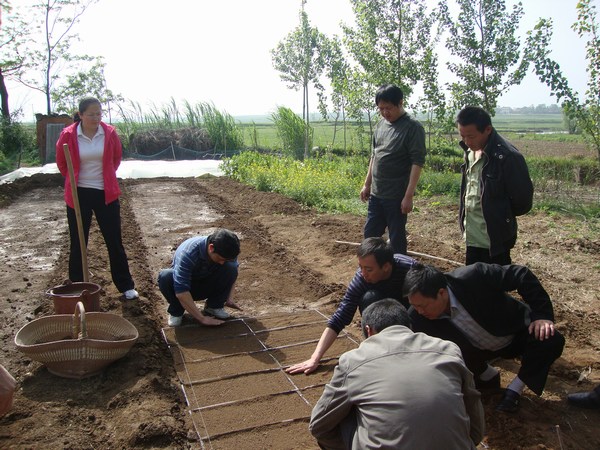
(77, 345)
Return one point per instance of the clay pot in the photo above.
(67, 295)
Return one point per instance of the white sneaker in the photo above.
(174, 321)
(218, 313)
(131, 294)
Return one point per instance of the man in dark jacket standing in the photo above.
(495, 188)
(470, 306)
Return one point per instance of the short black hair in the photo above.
(384, 313)
(389, 93)
(225, 243)
(425, 280)
(379, 248)
(474, 115)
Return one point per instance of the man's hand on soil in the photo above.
(307, 367)
(210, 321)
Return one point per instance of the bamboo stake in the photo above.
(423, 255)
(557, 428)
(82, 244)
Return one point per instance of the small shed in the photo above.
(48, 130)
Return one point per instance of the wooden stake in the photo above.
(423, 255)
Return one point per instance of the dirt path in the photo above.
(289, 262)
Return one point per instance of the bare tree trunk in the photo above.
(307, 125)
(4, 98)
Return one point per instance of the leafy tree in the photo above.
(433, 102)
(587, 111)
(336, 69)
(299, 60)
(66, 97)
(55, 21)
(569, 123)
(391, 42)
(486, 52)
(13, 33)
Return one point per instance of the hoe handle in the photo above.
(82, 245)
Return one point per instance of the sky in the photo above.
(220, 51)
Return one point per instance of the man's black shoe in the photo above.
(587, 400)
(510, 402)
(488, 385)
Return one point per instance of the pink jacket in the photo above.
(110, 163)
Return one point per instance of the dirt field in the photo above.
(289, 263)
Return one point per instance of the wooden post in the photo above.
(82, 245)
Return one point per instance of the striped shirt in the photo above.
(390, 288)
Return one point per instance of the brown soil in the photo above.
(290, 263)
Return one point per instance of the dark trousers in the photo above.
(478, 254)
(91, 201)
(536, 356)
(383, 213)
(215, 288)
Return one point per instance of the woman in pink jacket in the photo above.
(95, 151)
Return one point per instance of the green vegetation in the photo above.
(291, 131)
(332, 180)
(17, 146)
(222, 130)
(322, 183)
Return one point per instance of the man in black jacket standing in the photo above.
(495, 188)
(470, 306)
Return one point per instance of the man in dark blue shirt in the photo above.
(204, 267)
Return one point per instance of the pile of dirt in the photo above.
(290, 261)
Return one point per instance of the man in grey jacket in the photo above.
(399, 389)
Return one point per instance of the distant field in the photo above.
(531, 147)
(533, 134)
(529, 122)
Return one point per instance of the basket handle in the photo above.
(79, 325)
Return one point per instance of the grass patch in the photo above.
(332, 183)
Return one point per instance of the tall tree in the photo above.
(336, 70)
(486, 52)
(586, 111)
(82, 84)
(389, 43)
(13, 34)
(299, 60)
(433, 102)
(55, 21)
